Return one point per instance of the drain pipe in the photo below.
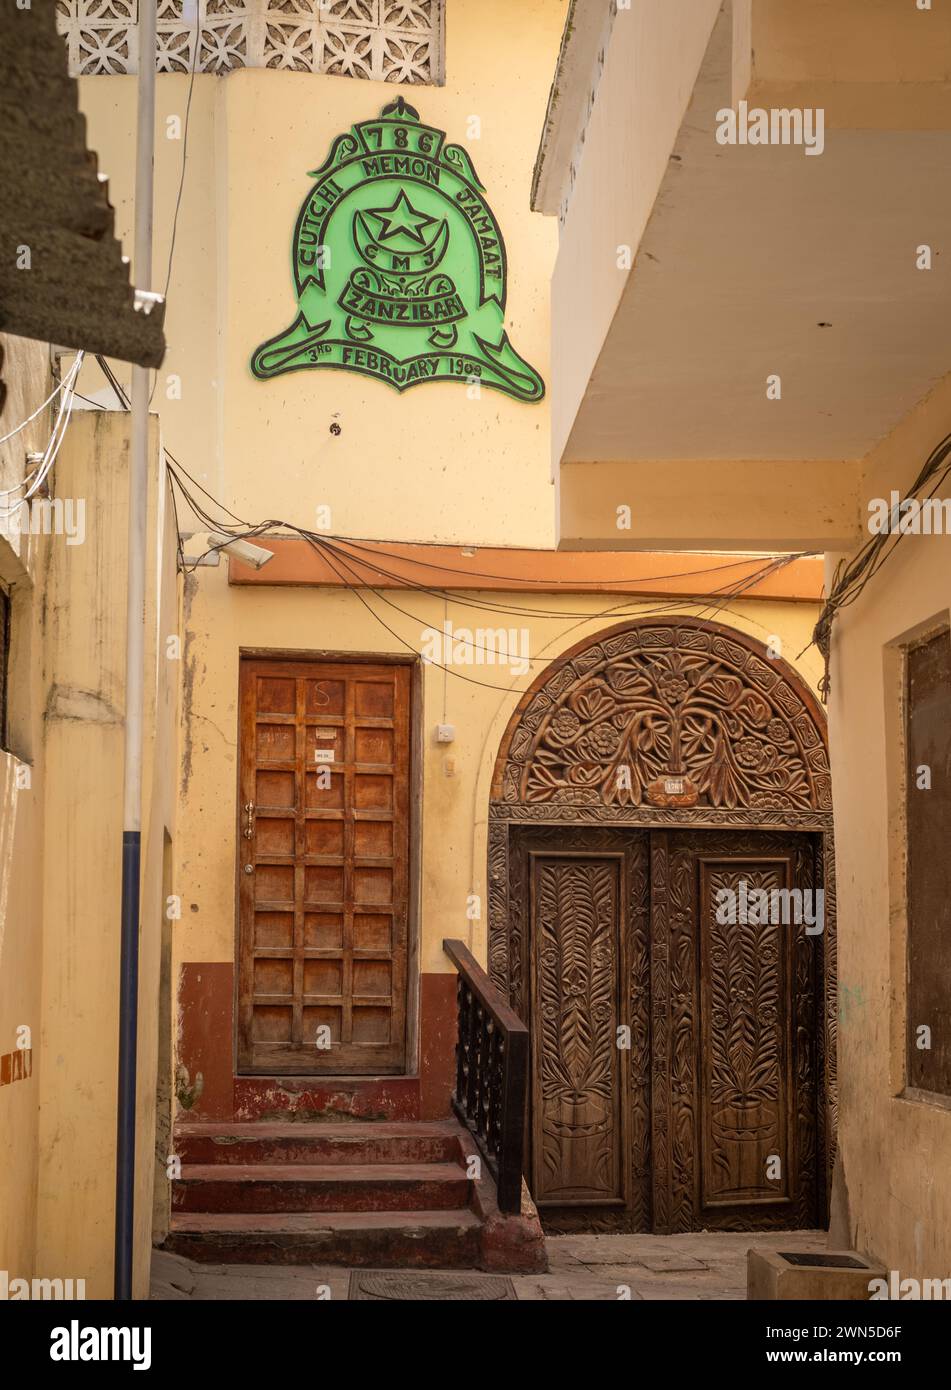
(134, 678)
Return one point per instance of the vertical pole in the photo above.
(135, 665)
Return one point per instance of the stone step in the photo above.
(325, 1187)
(362, 1142)
(418, 1239)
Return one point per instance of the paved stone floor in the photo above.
(582, 1267)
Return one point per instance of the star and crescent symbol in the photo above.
(402, 219)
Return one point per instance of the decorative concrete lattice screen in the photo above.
(384, 40)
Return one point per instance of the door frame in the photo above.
(560, 725)
(414, 866)
(512, 965)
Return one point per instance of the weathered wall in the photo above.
(896, 1150)
(86, 616)
(23, 560)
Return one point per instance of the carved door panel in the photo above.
(323, 867)
(735, 1040)
(584, 895)
(578, 1139)
(709, 1119)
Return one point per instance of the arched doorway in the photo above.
(683, 1076)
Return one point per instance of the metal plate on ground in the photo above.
(442, 1285)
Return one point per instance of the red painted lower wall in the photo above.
(208, 1089)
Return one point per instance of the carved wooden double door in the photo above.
(676, 1055)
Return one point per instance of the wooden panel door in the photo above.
(578, 1139)
(323, 867)
(735, 1046)
(583, 893)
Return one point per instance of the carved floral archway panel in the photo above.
(667, 714)
(662, 725)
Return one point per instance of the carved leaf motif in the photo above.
(684, 701)
(576, 923)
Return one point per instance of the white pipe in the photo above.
(138, 481)
(134, 682)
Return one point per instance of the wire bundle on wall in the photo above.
(37, 476)
(852, 576)
(337, 552)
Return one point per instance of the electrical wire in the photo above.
(39, 409)
(852, 577)
(196, 41)
(343, 566)
(196, 44)
(113, 381)
(35, 479)
(587, 617)
(374, 548)
(496, 606)
(527, 610)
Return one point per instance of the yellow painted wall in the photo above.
(868, 64)
(85, 670)
(23, 560)
(221, 619)
(861, 41)
(896, 1151)
(430, 465)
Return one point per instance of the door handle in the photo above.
(249, 828)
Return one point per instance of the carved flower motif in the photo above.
(601, 1012)
(776, 731)
(604, 739)
(579, 796)
(773, 800)
(673, 686)
(749, 752)
(565, 724)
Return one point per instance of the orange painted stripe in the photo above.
(647, 573)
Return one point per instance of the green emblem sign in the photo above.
(399, 266)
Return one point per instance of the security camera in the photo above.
(254, 555)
